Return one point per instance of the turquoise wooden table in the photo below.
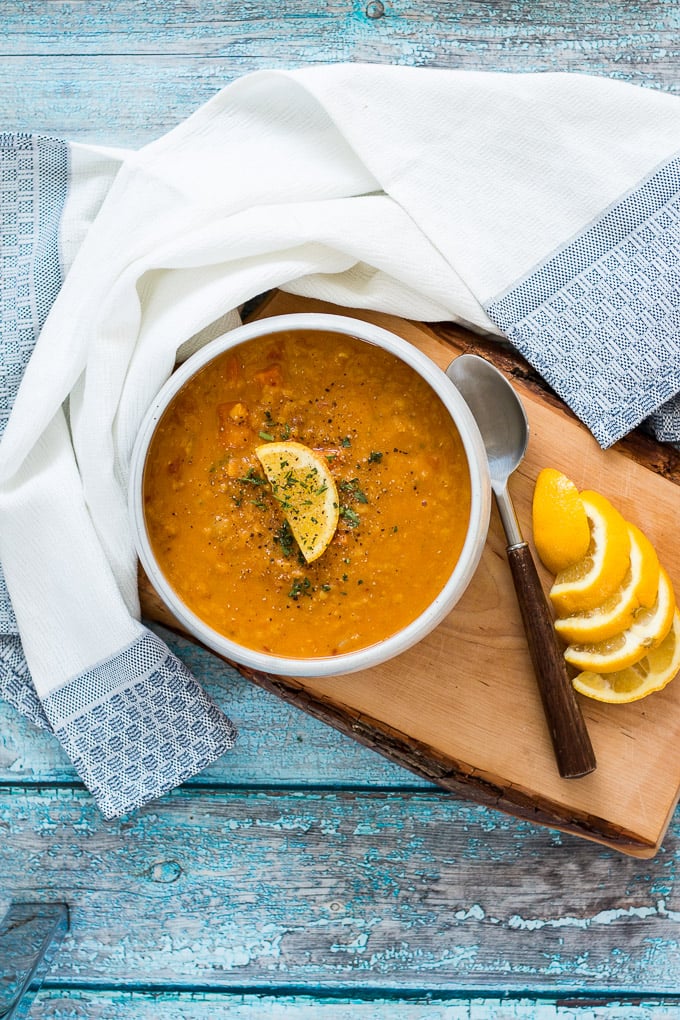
(303, 876)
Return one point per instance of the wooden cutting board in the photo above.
(462, 708)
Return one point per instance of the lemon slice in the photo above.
(639, 588)
(596, 577)
(649, 628)
(648, 584)
(305, 489)
(650, 674)
(559, 521)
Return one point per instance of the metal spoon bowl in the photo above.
(504, 427)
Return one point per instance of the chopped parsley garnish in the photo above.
(301, 586)
(374, 457)
(352, 489)
(350, 516)
(252, 479)
(346, 441)
(268, 435)
(284, 536)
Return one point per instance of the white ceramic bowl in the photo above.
(472, 547)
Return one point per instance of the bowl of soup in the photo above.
(309, 495)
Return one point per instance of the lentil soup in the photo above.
(219, 534)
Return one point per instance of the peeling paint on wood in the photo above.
(302, 859)
(91, 1005)
(126, 73)
(272, 890)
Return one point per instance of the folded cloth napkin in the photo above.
(539, 207)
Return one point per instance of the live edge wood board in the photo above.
(462, 708)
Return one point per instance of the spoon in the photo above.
(503, 424)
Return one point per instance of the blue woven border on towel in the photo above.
(137, 725)
(600, 318)
(34, 174)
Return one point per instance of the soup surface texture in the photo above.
(220, 537)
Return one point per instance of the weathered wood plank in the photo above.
(266, 891)
(555, 32)
(101, 1005)
(278, 745)
(123, 74)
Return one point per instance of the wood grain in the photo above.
(121, 74)
(137, 1005)
(266, 891)
(125, 73)
(445, 710)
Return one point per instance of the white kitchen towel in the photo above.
(135, 723)
(540, 207)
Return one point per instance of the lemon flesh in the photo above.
(306, 492)
(639, 588)
(559, 521)
(649, 628)
(652, 673)
(590, 582)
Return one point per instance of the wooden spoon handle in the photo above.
(573, 750)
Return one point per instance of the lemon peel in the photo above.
(559, 521)
(638, 588)
(649, 628)
(647, 676)
(596, 577)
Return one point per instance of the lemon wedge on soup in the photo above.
(306, 492)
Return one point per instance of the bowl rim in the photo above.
(480, 503)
